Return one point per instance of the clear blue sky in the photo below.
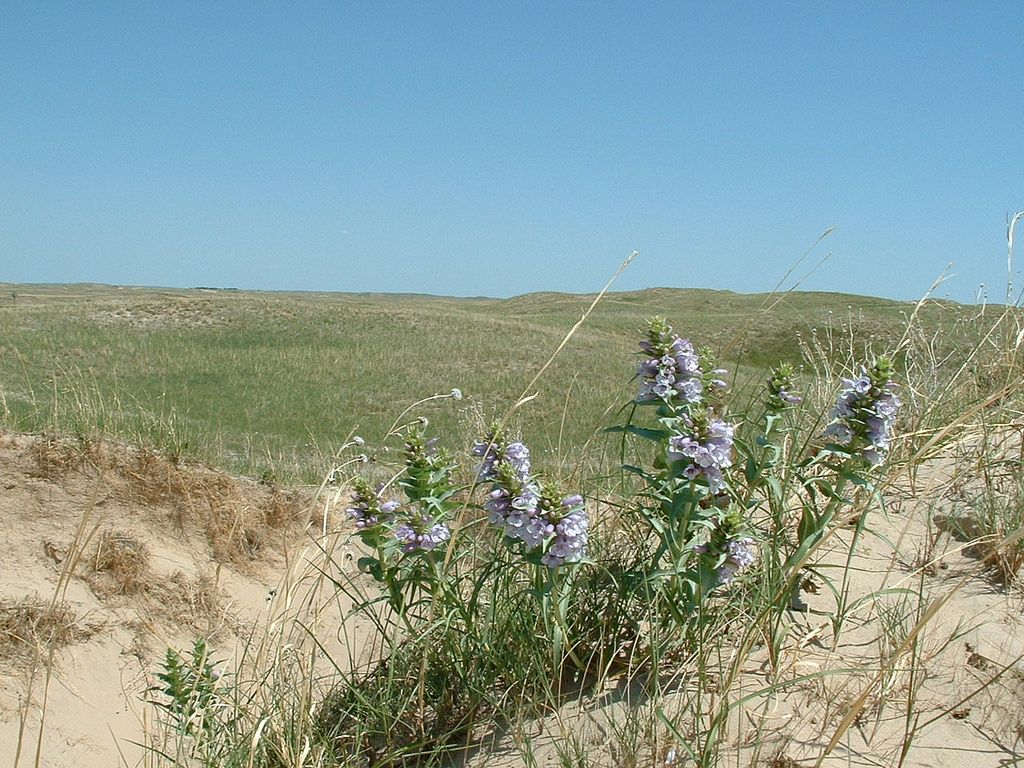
(485, 148)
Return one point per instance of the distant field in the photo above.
(274, 382)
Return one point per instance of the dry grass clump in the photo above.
(243, 521)
(196, 603)
(120, 565)
(988, 505)
(54, 457)
(240, 519)
(30, 626)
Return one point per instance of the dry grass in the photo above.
(195, 603)
(240, 519)
(987, 502)
(29, 627)
(120, 565)
(54, 456)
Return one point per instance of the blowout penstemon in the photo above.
(782, 394)
(527, 511)
(703, 543)
(421, 532)
(700, 440)
(369, 512)
(407, 538)
(569, 520)
(705, 447)
(427, 482)
(417, 525)
(859, 434)
(739, 554)
(672, 373)
(707, 485)
(864, 416)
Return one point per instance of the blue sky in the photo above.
(493, 148)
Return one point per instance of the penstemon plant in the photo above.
(857, 442)
(510, 557)
(550, 529)
(700, 535)
(408, 539)
(547, 528)
(418, 560)
(701, 497)
(711, 501)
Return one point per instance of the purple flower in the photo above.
(791, 398)
(690, 390)
(864, 416)
(514, 510)
(366, 509)
(673, 370)
(886, 405)
(740, 554)
(781, 389)
(421, 533)
(707, 450)
(487, 452)
(495, 452)
(839, 433)
(524, 511)
(570, 542)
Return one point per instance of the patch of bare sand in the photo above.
(139, 553)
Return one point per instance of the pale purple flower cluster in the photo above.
(516, 455)
(514, 501)
(740, 553)
(517, 505)
(672, 372)
(516, 511)
(366, 509)
(420, 532)
(864, 416)
(570, 542)
(708, 454)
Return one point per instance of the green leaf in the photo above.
(854, 477)
(636, 471)
(372, 566)
(808, 524)
(655, 435)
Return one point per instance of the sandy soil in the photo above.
(209, 570)
(59, 502)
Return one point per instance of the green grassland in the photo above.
(472, 641)
(264, 383)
